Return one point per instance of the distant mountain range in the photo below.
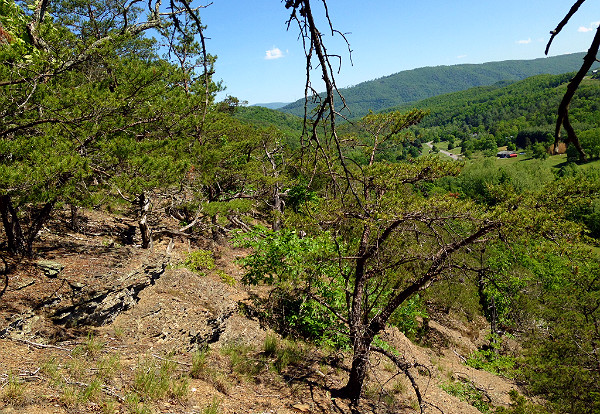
(417, 84)
(272, 105)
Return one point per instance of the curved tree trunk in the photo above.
(360, 332)
(5, 272)
(17, 241)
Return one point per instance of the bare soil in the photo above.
(82, 341)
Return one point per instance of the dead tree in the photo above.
(563, 109)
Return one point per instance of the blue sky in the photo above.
(260, 61)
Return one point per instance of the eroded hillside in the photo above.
(94, 325)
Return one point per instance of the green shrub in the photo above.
(405, 317)
(520, 405)
(200, 261)
(295, 265)
(467, 392)
(491, 360)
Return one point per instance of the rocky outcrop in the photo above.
(98, 308)
(212, 330)
(184, 310)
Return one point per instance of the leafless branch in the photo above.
(404, 367)
(192, 13)
(325, 111)
(563, 22)
(438, 264)
(38, 345)
(324, 303)
(563, 109)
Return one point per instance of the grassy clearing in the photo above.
(14, 392)
(93, 376)
(155, 381)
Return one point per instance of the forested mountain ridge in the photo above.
(289, 126)
(417, 84)
(272, 105)
(524, 110)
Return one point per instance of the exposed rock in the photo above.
(21, 326)
(183, 311)
(150, 310)
(51, 269)
(303, 408)
(213, 330)
(101, 308)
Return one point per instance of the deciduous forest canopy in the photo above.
(353, 225)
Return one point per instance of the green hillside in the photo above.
(417, 84)
(485, 117)
(521, 113)
(289, 126)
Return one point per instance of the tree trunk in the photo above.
(144, 206)
(358, 372)
(74, 218)
(215, 231)
(488, 305)
(12, 227)
(278, 203)
(5, 272)
(36, 225)
(278, 206)
(359, 331)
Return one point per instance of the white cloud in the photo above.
(591, 27)
(274, 53)
(461, 56)
(524, 42)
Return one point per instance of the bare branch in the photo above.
(438, 264)
(563, 109)
(38, 345)
(205, 62)
(563, 22)
(404, 367)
